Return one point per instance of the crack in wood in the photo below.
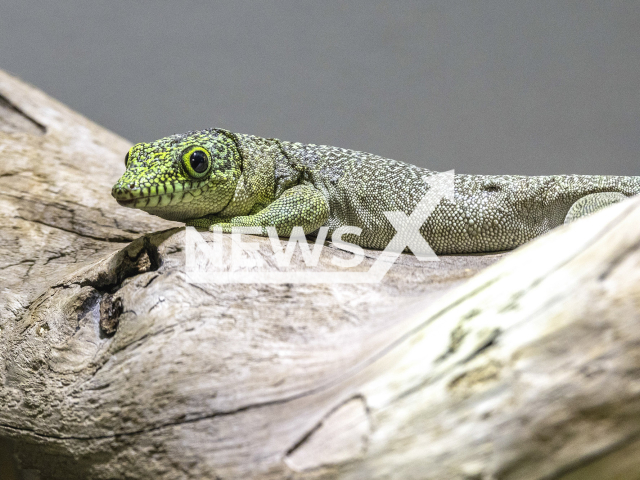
(115, 239)
(13, 119)
(345, 441)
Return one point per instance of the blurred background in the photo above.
(482, 87)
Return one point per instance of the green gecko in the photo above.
(215, 177)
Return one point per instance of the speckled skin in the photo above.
(253, 181)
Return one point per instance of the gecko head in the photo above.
(181, 176)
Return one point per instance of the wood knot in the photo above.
(110, 311)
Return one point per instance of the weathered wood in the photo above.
(112, 365)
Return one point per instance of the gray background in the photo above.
(479, 86)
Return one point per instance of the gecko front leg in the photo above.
(204, 223)
(299, 206)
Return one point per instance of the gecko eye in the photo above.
(126, 160)
(196, 162)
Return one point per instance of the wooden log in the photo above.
(113, 365)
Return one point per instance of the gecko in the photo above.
(216, 178)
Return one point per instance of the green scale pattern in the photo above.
(253, 181)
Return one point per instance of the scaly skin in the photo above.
(244, 180)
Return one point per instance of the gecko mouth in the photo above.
(126, 203)
(151, 201)
(126, 198)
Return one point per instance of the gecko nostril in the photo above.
(132, 185)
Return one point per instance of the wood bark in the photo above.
(113, 365)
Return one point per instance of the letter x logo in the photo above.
(408, 226)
